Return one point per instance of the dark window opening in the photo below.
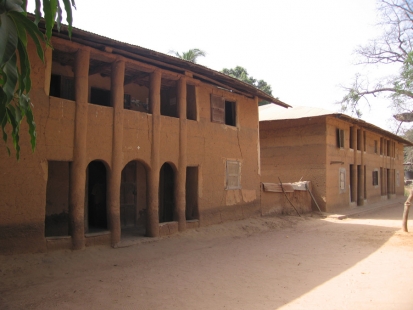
(191, 193)
(375, 177)
(169, 104)
(132, 103)
(191, 102)
(62, 87)
(365, 182)
(166, 194)
(375, 147)
(96, 215)
(230, 116)
(358, 139)
(340, 138)
(100, 96)
(351, 138)
(222, 111)
(57, 199)
(364, 141)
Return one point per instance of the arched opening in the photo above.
(96, 207)
(133, 201)
(166, 193)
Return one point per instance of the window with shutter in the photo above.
(217, 109)
(233, 172)
(375, 177)
(342, 180)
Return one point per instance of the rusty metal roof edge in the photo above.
(372, 127)
(220, 77)
(350, 119)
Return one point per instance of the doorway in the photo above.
(166, 193)
(191, 193)
(133, 201)
(96, 208)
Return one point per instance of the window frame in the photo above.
(342, 180)
(230, 174)
(219, 107)
(375, 177)
(340, 138)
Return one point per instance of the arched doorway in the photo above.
(133, 201)
(96, 207)
(166, 193)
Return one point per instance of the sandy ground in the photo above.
(263, 263)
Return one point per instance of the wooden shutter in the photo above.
(217, 109)
(342, 180)
(233, 174)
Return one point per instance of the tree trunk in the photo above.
(406, 211)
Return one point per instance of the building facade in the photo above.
(129, 142)
(348, 161)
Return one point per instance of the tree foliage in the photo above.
(393, 47)
(241, 73)
(15, 81)
(191, 55)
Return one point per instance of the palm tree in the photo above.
(190, 55)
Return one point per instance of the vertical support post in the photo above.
(79, 165)
(117, 93)
(180, 201)
(153, 177)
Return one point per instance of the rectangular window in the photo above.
(127, 101)
(223, 111)
(233, 174)
(191, 102)
(364, 141)
(169, 105)
(62, 87)
(340, 138)
(381, 146)
(375, 178)
(388, 153)
(100, 96)
(351, 137)
(342, 180)
(230, 116)
(375, 147)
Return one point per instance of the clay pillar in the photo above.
(113, 207)
(79, 164)
(180, 201)
(153, 177)
(360, 191)
(353, 181)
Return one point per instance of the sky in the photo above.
(303, 49)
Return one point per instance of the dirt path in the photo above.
(264, 263)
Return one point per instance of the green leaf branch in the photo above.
(15, 80)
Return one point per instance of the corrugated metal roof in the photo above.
(271, 112)
(169, 62)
